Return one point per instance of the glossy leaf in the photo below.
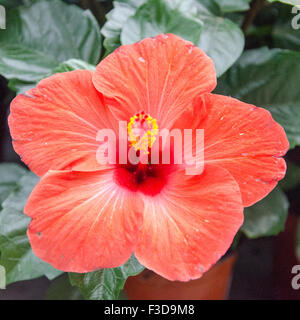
(222, 40)
(69, 65)
(73, 64)
(208, 7)
(268, 78)
(105, 284)
(116, 20)
(42, 35)
(267, 217)
(160, 16)
(17, 257)
(227, 6)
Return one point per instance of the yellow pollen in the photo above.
(142, 132)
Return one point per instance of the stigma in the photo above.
(142, 131)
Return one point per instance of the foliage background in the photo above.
(256, 53)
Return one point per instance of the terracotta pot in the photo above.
(214, 285)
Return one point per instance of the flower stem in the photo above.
(252, 13)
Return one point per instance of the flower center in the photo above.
(142, 132)
(144, 177)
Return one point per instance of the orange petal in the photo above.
(191, 225)
(160, 76)
(54, 126)
(243, 139)
(82, 221)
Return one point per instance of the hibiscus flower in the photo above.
(87, 216)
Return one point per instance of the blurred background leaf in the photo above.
(286, 37)
(267, 217)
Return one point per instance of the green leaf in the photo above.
(227, 6)
(16, 255)
(222, 40)
(13, 3)
(2, 278)
(268, 78)
(267, 217)
(42, 35)
(285, 37)
(105, 284)
(116, 20)
(291, 2)
(61, 289)
(19, 86)
(73, 64)
(66, 66)
(193, 20)
(208, 7)
(159, 16)
(292, 177)
(9, 175)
